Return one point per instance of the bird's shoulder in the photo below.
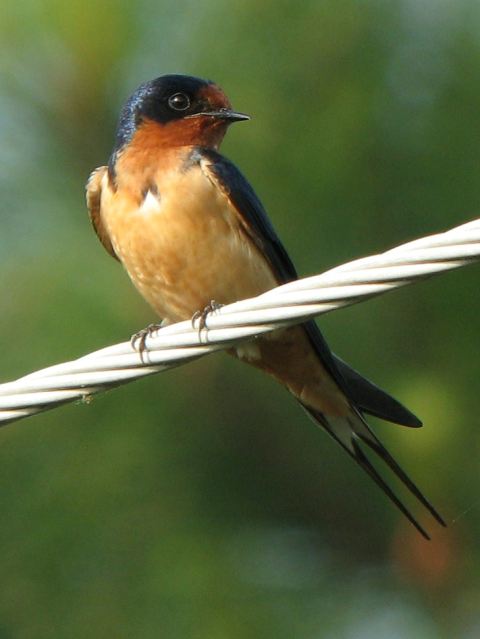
(252, 215)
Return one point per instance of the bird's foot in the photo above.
(138, 341)
(201, 316)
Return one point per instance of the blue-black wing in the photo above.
(364, 394)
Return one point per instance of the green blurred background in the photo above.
(202, 503)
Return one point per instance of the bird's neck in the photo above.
(162, 148)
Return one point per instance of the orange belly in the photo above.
(185, 247)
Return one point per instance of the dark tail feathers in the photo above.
(349, 432)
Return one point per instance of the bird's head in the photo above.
(177, 110)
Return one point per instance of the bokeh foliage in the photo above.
(201, 503)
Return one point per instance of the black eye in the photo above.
(179, 102)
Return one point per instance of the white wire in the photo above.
(282, 306)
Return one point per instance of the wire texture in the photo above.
(283, 306)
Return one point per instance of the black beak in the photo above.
(223, 114)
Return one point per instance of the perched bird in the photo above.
(188, 228)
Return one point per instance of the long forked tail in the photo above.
(349, 432)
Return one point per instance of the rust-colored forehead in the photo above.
(214, 95)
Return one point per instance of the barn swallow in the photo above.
(188, 228)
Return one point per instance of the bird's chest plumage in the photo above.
(182, 243)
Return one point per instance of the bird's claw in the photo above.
(201, 316)
(138, 340)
